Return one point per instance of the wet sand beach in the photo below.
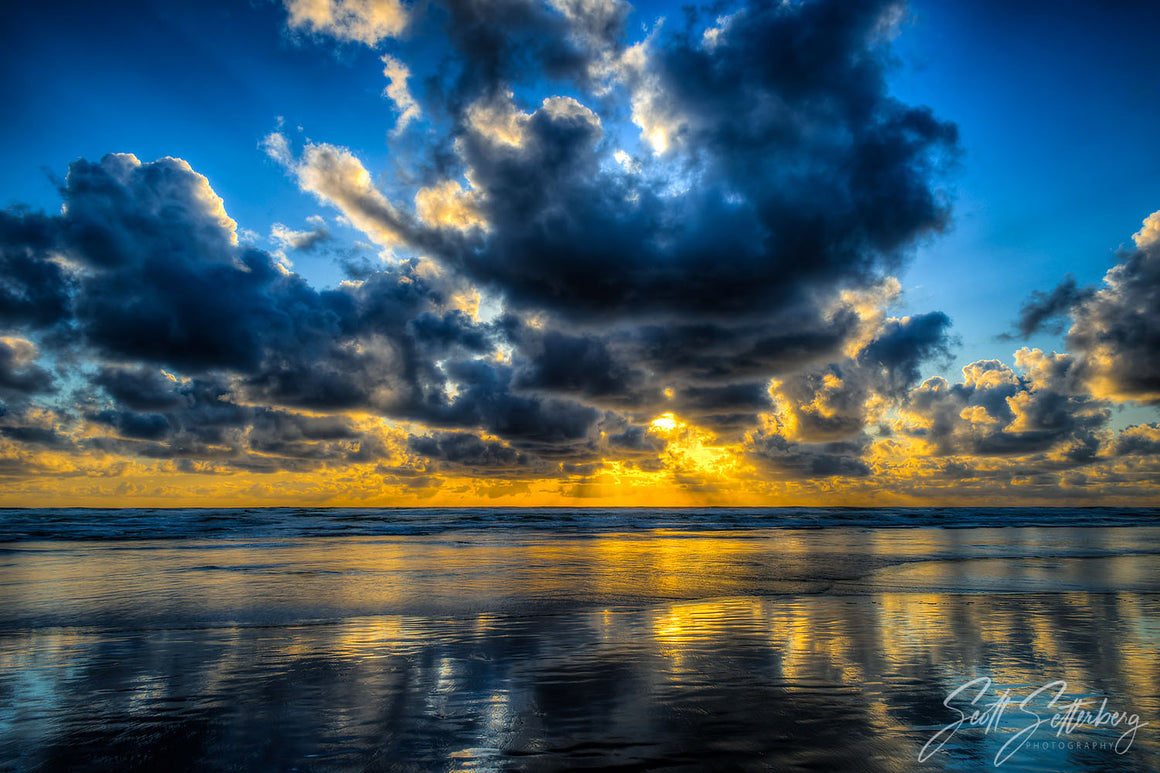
(526, 649)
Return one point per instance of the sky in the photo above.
(579, 253)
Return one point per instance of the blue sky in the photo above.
(651, 221)
(1058, 105)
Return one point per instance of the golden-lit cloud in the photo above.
(361, 21)
(1150, 233)
(336, 177)
(498, 120)
(1116, 329)
(447, 205)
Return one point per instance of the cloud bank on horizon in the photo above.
(606, 267)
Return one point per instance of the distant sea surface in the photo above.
(153, 523)
(438, 639)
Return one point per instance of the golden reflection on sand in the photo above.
(530, 643)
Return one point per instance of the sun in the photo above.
(666, 422)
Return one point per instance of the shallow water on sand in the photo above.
(522, 649)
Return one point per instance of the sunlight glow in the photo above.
(666, 422)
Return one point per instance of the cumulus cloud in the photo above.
(397, 91)
(34, 288)
(720, 284)
(1140, 440)
(303, 241)
(996, 411)
(497, 119)
(361, 21)
(159, 286)
(1149, 235)
(791, 205)
(447, 205)
(1116, 330)
(20, 376)
(499, 42)
(336, 177)
(595, 22)
(820, 418)
(161, 276)
(1115, 326)
(147, 414)
(463, 449)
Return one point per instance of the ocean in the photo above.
(489, 639)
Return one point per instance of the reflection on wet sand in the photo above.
(811, 650)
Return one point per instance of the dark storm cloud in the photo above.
(140, 389)
(199, 420)
(304, 437)
(494, 43)
(22, 383)
(401, 357)
(161, 281)
(34, 290)
(467, 450)
(829, 403)
(631, 439)
(1138, 440)
(1046, 311)
(995, 412)
(726, 410)
(585, 365)
(1116, 330)
(701, 400)
(490, 44)
(135, 426)
(205, 413)
(45, 437)
(486, 400)
(162, 278)
(165, 282)
(365, 353)
(901, 347)
(825, 404)
(20, 376)
(822, 413)
(807, 460)
(451, 328)
(787, 338)
(1115, 326)
(790, 175)
(804, 172)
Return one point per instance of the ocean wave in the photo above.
(85, 524)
